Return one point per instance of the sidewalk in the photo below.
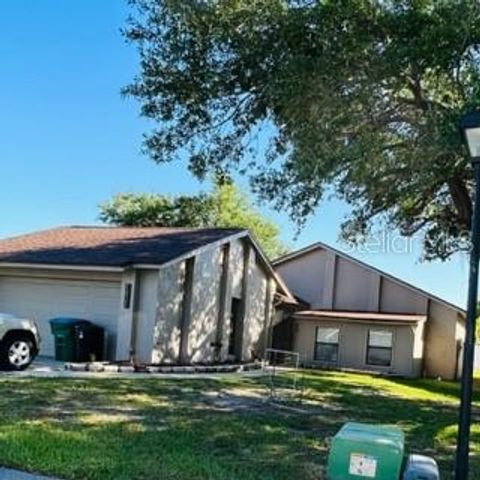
(8, 474)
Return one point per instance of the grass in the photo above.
(212, 429)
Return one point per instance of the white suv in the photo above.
(19, 342)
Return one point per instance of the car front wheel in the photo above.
(17, 352)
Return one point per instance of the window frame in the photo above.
(389, 349)
(328, 344)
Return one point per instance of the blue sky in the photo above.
(69, 141)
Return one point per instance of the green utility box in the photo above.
(361, 451)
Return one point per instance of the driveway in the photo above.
(46, 365)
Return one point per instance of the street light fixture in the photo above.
(470, 128)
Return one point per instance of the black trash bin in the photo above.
(77, 340)
(89, 342)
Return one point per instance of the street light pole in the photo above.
(470, 126)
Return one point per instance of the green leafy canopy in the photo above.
(225, 206)
(358, 97)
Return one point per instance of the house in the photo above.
(163, 295)
(356, 316)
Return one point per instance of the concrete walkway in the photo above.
(45, 367)
(8, 474)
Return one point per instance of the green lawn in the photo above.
(215, 430)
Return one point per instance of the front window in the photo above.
(326, 345)
(379, 351)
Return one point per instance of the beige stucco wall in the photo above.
(146, 305)
(441, 352)
(419, 348)
(205, 304)
(256, 310)
(234, 289)
(125, 322)
(166, 334)
(328, 281)
(353, 340)
(255, 324)
(356, 288)
(236, 268)
(460, 343)
(203, 324)
(396, 298)
(306, 276)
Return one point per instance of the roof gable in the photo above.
(392, 278)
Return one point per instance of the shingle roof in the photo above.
(108, 246)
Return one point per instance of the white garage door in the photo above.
(43, 299)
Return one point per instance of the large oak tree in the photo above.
(356, 97)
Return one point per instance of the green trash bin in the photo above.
(63, 330)
(361, 451)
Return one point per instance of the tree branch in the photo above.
(461, 200)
